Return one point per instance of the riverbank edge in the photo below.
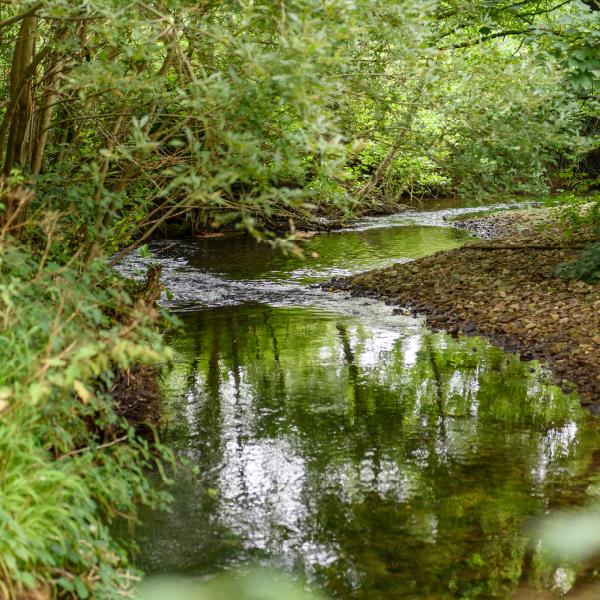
(80, 402)
(322, 221)
(505, 290)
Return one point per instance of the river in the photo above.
(335, 440)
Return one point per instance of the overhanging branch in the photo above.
(485, 38)
(21, 16)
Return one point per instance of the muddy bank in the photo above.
(504, 290)
(136, 392)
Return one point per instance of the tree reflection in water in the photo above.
(380, 461)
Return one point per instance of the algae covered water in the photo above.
(354, 447)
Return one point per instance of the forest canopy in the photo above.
(239, 111)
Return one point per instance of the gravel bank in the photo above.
(504, 290)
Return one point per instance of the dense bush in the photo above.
(70, 464)
(586, 267)
(246, 112)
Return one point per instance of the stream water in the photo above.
(340, 442)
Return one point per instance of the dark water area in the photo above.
(326, 255)
(328, 438)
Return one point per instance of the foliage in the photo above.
(586, 267)
(254, 112)
(580, 218)
(70, 464)
(578, 212)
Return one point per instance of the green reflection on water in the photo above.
(381, 460)
(338, 252)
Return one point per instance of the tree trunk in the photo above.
(16, 202)
(44, 117)
(20, 110)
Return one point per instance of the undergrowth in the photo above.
(69, 464)
(580, 216)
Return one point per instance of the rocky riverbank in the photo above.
(505, 290)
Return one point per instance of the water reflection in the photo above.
(327, 255)
(380, 459)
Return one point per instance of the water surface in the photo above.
(352, 446)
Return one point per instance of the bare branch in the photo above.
(485, 38)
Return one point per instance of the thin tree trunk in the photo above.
(45, 116)
(21, 90)
(405, 130)
(16, 201)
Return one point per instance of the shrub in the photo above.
(69, 463)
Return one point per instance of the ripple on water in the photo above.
(220, 272)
